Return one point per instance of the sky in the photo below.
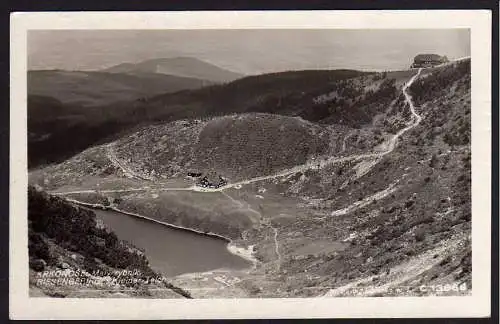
(245, 51)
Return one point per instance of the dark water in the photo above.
(172, 251)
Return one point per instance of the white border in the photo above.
(477, 305)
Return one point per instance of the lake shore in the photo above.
(243, 252)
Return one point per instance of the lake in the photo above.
(172, 251)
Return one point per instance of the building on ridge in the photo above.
(428, 60)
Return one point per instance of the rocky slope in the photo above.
(346, 189)
(73, 255)
(413, 227)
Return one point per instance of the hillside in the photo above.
(236, 146)
(57, 131)
(344, 183)
(289, 93)
(51, 123)
(405, 217)
(223, 144)
(74, 255)
(86, 88)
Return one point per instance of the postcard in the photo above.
(294, 164)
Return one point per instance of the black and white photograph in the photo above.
(249, 163)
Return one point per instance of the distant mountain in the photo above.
(187, 67)
(100, 88)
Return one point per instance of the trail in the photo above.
(366, 201)
(390, 147)
(322, 163)
(276, 246)
(402, 273)
(392, 142)
(243, 207)
(239, 203)
(127, 171)
(344, 141)
(260, 222)
(112, 208)
(121, 190)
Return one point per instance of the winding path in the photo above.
(390, 147)
(344, 141)
(277, 246)
(127, 171)
(248, 207)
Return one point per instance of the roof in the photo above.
(427, 57)
(212, 176)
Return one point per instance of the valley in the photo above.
(357, 185)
